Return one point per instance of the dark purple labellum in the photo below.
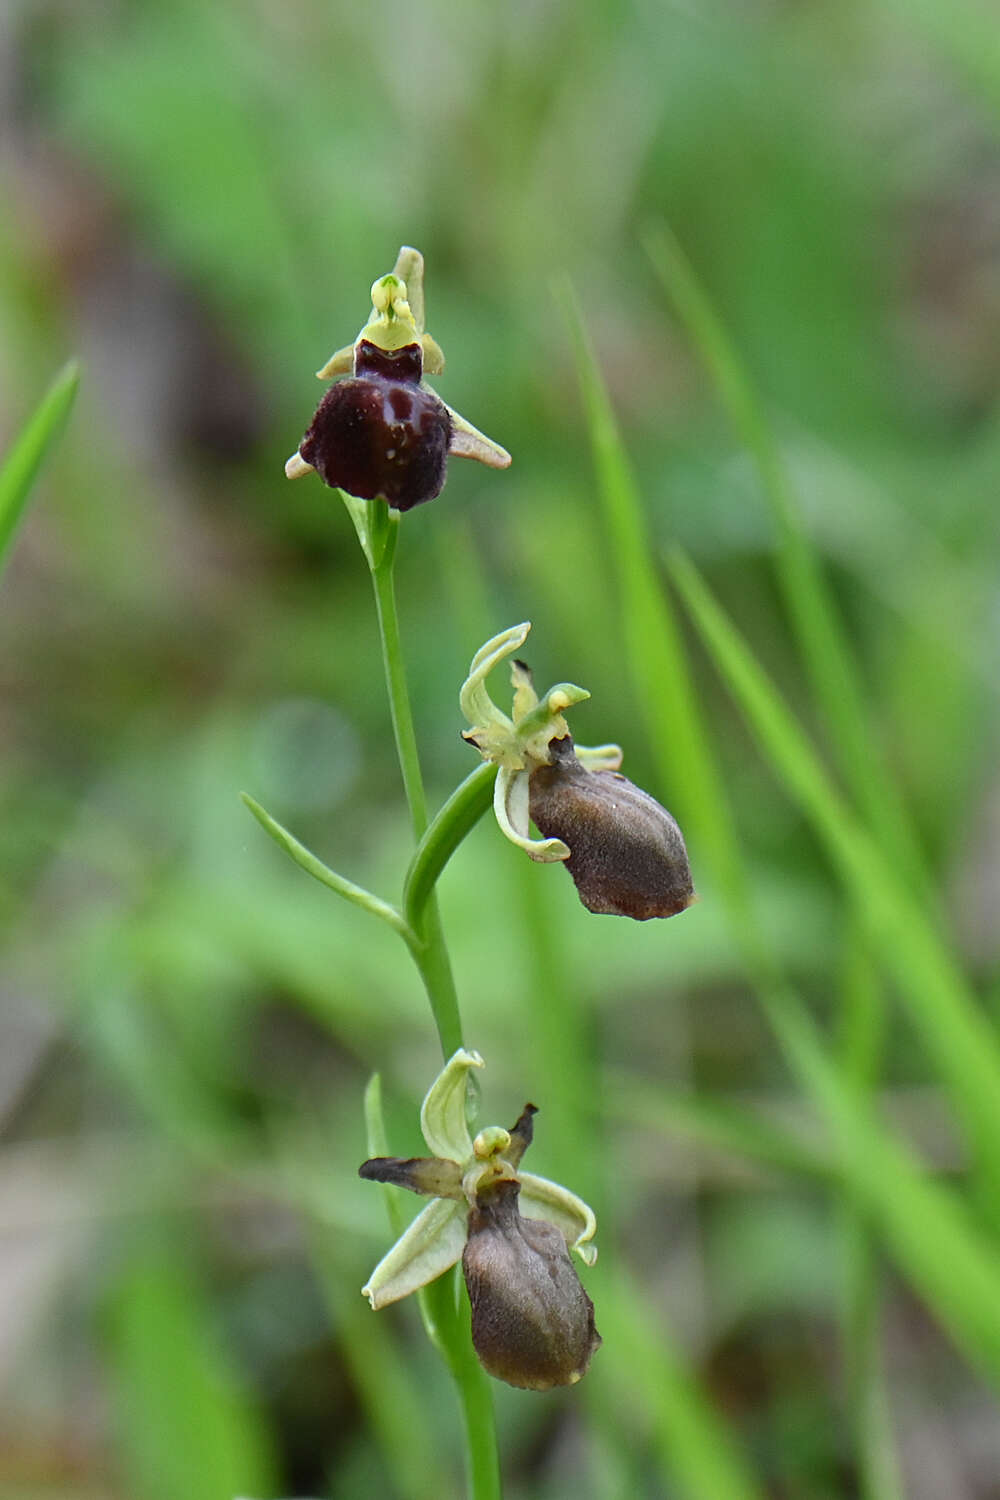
(381, 432)
(627, 854)
(532, 1321)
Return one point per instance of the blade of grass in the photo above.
(31, 448)
(956, 1033)
(864, 1022)
(654, 650)
(926, 1228)
(187, 1428)
(692, 1442)
(829, 662)
(720, 1124)
(392, 1400)
(965, 34)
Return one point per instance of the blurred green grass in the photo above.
(198, 199)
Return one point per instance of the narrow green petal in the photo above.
(433, 1242)
(468, 442)
(510, 803)
(599, 757)
(545, 723)
(433, 355)
(542, 1199)
(476, 703)
(341, 363)
(442, 1114)
(409, 268)
(523, 683)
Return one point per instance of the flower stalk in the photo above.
(380, 438)
(445, 1305)
(430, 952)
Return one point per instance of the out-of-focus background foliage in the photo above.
(196, 200)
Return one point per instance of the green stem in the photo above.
(395, 679)
(449, 1319)
(482, 1456)
(451, 824)
(446, 1310)
(430, 952)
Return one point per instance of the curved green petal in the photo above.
(433, 1242)
(341, 363)
(542, 1199)
(599, 757)
(476, 703)
(442, 1114)
(409, 268)
(510, 803)
(546, 717)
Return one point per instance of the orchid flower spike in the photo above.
(624, 851)
(384, 432)
(532, 1321)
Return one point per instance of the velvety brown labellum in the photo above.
(381, 432)
(627, 854)
(532, 1321)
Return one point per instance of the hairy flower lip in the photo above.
(532, 1321)
(374, 436)
(626, 853)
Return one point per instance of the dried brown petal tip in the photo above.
(532, 1321)
(521, 1135)
(430, 1175)
(627, 854)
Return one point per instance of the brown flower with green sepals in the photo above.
(625, 852)
(532, 1321)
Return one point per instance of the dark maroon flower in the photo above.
(383, 432)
